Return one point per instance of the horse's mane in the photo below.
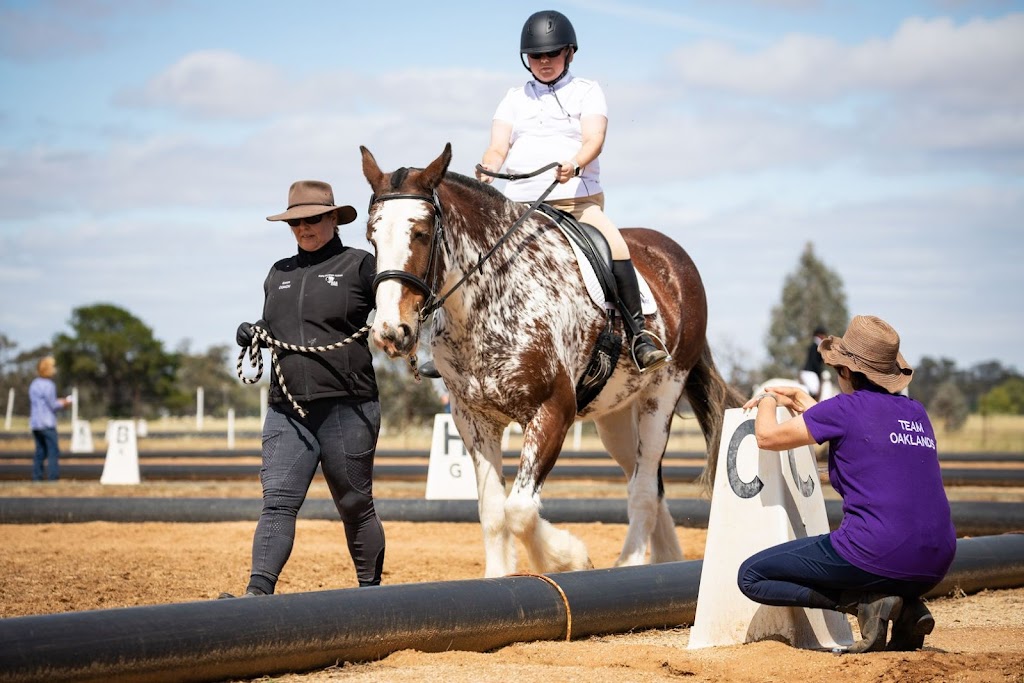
(399, 176)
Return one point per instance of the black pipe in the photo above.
(971, 518)
(955, 476)
(245, 638)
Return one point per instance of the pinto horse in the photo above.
(512, 339)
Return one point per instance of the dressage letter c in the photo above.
(743, 489)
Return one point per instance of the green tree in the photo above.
(117, 364)
(949, 405)
(812, 295)
(1005, 399)
(212, 370)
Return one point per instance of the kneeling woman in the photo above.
(896, 540)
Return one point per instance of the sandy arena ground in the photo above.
(48, 568)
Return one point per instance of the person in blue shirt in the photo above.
(42, 394)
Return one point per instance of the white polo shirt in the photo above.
(546, 127)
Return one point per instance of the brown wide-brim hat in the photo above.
(312, 198)
(872, 347)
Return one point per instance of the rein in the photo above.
(435, 301)
(256, 358)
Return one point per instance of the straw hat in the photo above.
(312, 198)
(872, 347)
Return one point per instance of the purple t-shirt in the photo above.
(883, 461)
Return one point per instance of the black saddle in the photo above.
(593, 245)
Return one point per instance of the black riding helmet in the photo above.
(546, 31)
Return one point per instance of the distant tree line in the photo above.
(121, 370)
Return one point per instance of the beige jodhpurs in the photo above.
(591, 210)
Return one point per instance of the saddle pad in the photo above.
(647, 302)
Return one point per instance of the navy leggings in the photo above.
(47, 449)
(808, 572)
(342, 439)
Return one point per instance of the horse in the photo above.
(511, 337)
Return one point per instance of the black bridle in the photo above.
(428, 284)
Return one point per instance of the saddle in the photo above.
(586, 240)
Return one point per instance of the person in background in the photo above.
(321, 295)
(559, 117)
(44, 404)
(897, 539)
(810, 375)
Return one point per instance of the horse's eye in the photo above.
(421, 235)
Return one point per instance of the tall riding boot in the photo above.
(911, 626)
(646, 355)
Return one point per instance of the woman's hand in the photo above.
(794, 398)
(483, 178)
(566, 170)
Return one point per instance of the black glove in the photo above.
(243, 337)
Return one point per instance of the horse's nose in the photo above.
(394, 340)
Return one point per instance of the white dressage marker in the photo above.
(761, 499)
(81, 437)
(450, 474)
(122, 463)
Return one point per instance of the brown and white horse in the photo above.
(514, 337)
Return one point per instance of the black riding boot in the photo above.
(428, 370)
(646, 355)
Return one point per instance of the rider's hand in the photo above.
(482, 177)
(567, 170)
(243, 337)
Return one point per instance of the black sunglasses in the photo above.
(312, 220)
(547, 55)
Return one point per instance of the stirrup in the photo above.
(659, 346)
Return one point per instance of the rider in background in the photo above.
(318, 296)
(557, 116)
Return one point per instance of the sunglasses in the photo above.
(547, 55)
(311, 220)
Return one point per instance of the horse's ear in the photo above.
(432, 174)
(371, 170)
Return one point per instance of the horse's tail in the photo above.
(710, 396)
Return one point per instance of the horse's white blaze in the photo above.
(391, 230)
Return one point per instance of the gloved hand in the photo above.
(243, 337)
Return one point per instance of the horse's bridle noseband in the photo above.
(429, 282)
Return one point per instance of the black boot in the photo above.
(428, 370)
(646, 355)
(874, 612)
(910, 628)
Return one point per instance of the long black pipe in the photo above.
(411, 453)
(971, 518)
(951, 476)
(244, 638)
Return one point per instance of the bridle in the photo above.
(428, 284)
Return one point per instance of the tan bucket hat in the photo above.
(312, 198)
(872, 347)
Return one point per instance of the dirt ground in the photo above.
(48, 568)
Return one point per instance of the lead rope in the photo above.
(256, 358)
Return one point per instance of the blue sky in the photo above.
(143, 143)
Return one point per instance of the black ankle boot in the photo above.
(910, 627)
(645, 353)
(428, 370)
(874, 612)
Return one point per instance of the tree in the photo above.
(115, 361)
(1005, 399)
(949, 406)
(811, 296)
(213, 371)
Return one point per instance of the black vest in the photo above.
(316, 299)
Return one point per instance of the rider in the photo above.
(557, 115)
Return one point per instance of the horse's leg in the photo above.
(483, 443)
(550, 549)
(636, 438)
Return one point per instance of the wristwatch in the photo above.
(575, 168)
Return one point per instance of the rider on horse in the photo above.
(557, 115)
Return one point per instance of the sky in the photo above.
(144, 142)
